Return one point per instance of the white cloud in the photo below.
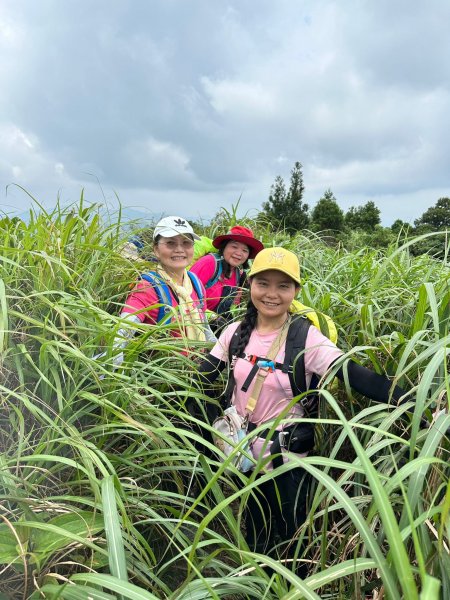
(19, 151)
(240, 98)
(24, 164)
(11, 32)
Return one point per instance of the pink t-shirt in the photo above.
(276, 392)
(204, 268)
(144, 298)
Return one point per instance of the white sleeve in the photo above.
(123, 336)
(209, 334)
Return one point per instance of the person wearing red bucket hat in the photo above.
(223, 273)
(242, 235)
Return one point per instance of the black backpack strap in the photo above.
(228, 295)
(298, 437)
(294, 359)
(229, 292)
(232, 349)
(297, 376)
(242, 278)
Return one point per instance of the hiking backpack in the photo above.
(202, 247)
(323, 322)
(165, 297)
(300, 436)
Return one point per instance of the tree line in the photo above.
(360, 225)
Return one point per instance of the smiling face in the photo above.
(174, 253)
(235, 253)
(272, 293)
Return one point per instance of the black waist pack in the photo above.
(298, 437)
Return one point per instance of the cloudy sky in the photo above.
(183, 106)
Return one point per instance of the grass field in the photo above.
(99, 493)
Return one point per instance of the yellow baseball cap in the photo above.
(277, 259)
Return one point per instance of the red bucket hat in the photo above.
(243, 235)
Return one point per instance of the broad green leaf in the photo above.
(77, 524)
(9, 545)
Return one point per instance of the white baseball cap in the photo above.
(172, 226)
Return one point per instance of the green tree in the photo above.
(275, 206)
(437, 217)
(327, 215)
(400, 226)
(365, 217)
(286, 209)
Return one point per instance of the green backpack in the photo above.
(203, 246)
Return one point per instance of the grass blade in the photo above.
(116, 551)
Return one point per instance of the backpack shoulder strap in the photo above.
(162, 291)
(232, 348)
(294, 360)
(197, 287)
(242, 278)
(218, 259)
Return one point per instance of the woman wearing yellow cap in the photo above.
(262, 350)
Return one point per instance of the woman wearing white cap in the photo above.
(169, 294)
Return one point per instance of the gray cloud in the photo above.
(191, 104)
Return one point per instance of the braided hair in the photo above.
(248, 324)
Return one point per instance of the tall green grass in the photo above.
(103, 493)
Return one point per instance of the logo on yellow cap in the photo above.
(276, 257)
(279, 259)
